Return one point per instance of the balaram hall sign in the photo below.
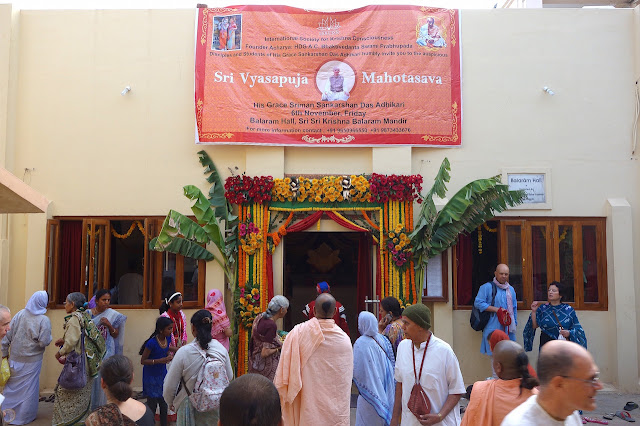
(379, 75)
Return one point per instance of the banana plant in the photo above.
(474, 204)
(214, 224)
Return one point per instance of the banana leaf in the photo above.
(185, 248)
(205, 215)
(216, 193)
(471, 206)
(176, 225)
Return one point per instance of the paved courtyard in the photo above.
(609, 401)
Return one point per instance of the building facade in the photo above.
(112, 163)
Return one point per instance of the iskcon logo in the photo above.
(329, 26)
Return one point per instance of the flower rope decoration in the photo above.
(395, 188)
(246, 304)
(246, 189)
(134, 224)
(328, 189)
(250, 237)
(398, 244)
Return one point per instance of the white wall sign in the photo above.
(533, 185)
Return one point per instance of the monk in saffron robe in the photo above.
(315, 371)
(492, 400)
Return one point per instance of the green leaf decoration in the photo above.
(470, 207)
(205, 215)
(181, 235)
(185, 248)
(216, 193)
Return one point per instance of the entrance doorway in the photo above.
(312, 257)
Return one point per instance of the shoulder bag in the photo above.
(419, 403)
(479, 320)
(560, 336)
(74, 375)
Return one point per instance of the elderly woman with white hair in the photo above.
(265, 346)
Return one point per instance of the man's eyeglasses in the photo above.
(593, 381)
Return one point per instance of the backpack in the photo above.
(211, 381)
(95, 346)
(479, 320)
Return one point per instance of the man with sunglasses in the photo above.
(569, 381)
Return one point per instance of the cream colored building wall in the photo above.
(96, 152)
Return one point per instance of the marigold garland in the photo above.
(250, 237)
(328, 189)
(134, 224)
(247, 304)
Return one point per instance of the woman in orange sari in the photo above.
(223, 27)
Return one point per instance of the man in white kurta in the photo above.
(569, 381)
(441, 378)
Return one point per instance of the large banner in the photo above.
(379, 75)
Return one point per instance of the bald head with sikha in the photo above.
(509, 360)
(325, 306)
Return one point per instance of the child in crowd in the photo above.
(172, 308)
(156, 352)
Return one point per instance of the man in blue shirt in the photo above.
(505, 299)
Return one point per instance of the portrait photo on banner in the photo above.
(227, 33)
(335, 80)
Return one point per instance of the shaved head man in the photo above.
(339, 314)
(499, 298)
(569, 381)
(325, 306)
(492, 400)
(315, 370)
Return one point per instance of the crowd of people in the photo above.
(403, 372)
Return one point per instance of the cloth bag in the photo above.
(74, 374)
(504, 318)
(5, 371)
(419, 403)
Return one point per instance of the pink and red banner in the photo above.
(379, 75)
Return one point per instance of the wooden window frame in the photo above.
(152, 271)
(553, 268)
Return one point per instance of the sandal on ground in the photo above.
(609, 416)
(592, 420)
(630, 406)
(624, 415)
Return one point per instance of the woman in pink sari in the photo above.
(220, 326)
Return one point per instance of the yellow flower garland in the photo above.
(327, 189)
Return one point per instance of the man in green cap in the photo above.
(439, 375)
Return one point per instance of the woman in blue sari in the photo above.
(111, 324)
(373, 366)
(556, 320)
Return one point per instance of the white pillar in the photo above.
(622, 293)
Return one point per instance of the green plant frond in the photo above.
(481, 207)
(443, 176)
(421, 234)
(177, 225)
(205, 214)
(216, 192)
(183, 247)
